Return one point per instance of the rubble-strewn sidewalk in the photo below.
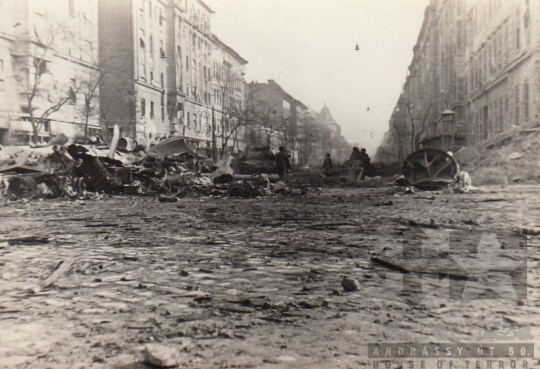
(235, 283)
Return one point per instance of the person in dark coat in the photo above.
(366, 163)
(354, 164)
(282, 162)
(355, 155)
(327, 165)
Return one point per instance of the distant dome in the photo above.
(325, 116)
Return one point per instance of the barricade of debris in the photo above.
(170, 169)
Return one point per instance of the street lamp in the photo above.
(447, 117)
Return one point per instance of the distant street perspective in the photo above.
(162, 205)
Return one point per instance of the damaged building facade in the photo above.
(473, 75)
(164, 83)
(48, 60)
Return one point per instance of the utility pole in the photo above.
(214, 148)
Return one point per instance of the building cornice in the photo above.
(146, 84)
(74, 60)
(229, 49)
(205, 6)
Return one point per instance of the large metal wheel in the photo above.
(430, 168)
(22, 187)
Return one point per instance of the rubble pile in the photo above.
(514, 160)
(170, 169)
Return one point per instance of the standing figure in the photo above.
(282, 162)
(355, 164)
(327, 165)
(366, 160)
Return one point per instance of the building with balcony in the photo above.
(189, 58)
(48, 58)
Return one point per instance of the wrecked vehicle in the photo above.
(260, 160)
(171, 168)
(28, 171)
(430, 169)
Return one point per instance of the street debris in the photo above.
(384, 203)
(62, 268)
(169, 170)
(27, 240)
(430, 169)
(203, 278)
(515, 155)
(529, 231)
(442, 267)
(161, 356)
(350, 284)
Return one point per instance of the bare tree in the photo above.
(30, 75)
(235, 117)
(89, 88)
(415, 127)
(268, 122)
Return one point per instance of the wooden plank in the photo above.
(423, 266)
(61, 269)
(392, 264)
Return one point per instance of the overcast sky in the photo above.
(307, 46)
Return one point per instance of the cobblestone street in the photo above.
(239, 283)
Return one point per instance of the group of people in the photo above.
(358, 163)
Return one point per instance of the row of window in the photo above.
(497, 52)
(192, 121)
(501, 113)
(142, 47)
(151, 12)
(45, 124)
(483, 11)
(152, 114)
